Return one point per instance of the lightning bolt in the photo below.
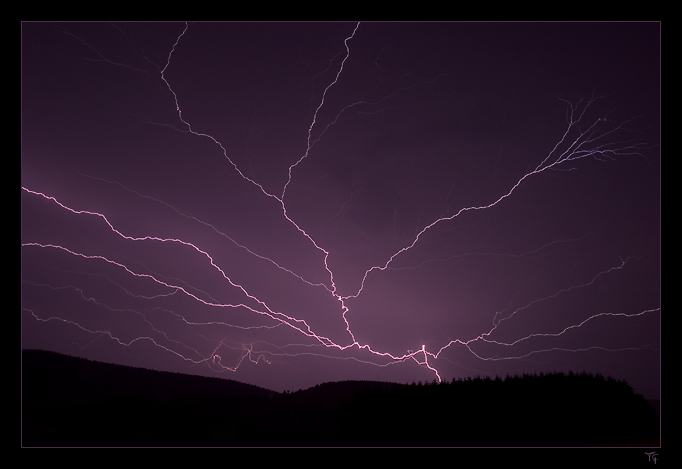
(583, 138)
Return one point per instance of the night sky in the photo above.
(286, 204)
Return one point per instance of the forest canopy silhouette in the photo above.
(69, 401)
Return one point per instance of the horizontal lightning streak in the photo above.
(566, 329)
(216, 230)
(117, 339)
(496, 322)
(288, 320)
(484, 337)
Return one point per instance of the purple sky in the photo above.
(334, 201)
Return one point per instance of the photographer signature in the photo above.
(652, 456)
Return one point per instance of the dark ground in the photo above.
(70, 402)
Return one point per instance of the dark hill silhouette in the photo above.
(69, 401)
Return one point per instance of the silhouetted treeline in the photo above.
(557, 410)
(68, 401)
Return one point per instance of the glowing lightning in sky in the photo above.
(582, 139)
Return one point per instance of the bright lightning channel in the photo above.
(581, 139)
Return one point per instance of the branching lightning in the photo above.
(584, 138)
